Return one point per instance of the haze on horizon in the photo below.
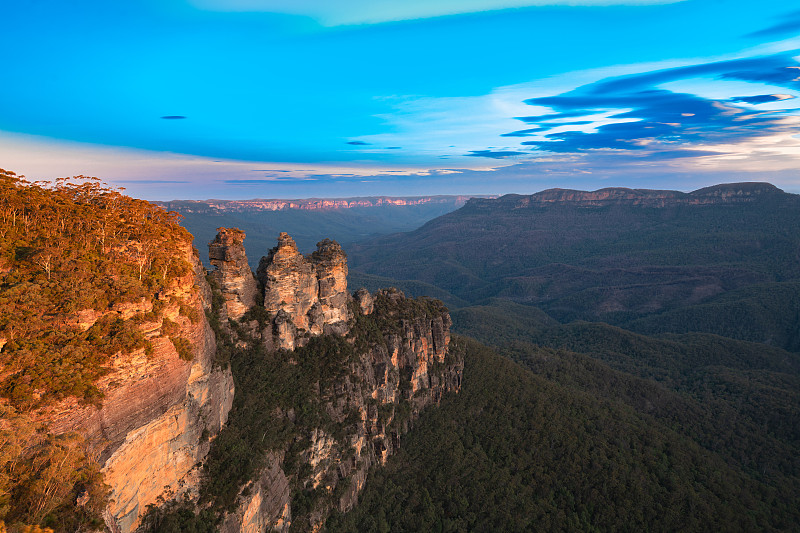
(234, 99)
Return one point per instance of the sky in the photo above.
(234, 99)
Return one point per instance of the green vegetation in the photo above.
(653, 269)
(75, 257)
(49, 480)
(737, 398)
(518, 451)
(680, 422)
(412, 289)
(282, 397)
(768, 313)
(68, 247)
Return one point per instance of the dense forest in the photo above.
(69, 247)
(560, 442)
(669, 333)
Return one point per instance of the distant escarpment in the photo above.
(309, 204)
(309, 221)
(655, 261)
(731, 193)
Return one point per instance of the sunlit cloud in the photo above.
(40, 158)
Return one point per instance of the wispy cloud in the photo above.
(494, 154)
(788, 24)
(347, 12)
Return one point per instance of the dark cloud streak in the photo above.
(494, 154)
(758, 99)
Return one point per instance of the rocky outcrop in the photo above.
(268, 506)
(159, 410)
(307, 296)
(232, 272)
(332, 313)
(375, 401)
(364, 300)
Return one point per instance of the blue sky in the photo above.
(279, 98)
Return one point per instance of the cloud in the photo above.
(494, 154)
(552, 117)
(790, 24)
(358, 143)
(349, 12)
(679, 154)
(151, 182)
(523, 133)
(643, 117)
(173, 117)
(762, 98)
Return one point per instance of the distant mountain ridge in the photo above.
(311, 204)
(310, 220)
(716, 194)
(633, 258)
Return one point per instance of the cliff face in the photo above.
(374, 400)
(159, 410)
(399, 363)
(163, 408)
(309, 204)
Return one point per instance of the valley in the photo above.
(619, 359)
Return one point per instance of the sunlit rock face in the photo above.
(332, 313)
(305, 295)
(364, 300)
(159, 411)
(232, 272)
(268, 504)
(290, 282)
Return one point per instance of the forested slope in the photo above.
(562, 445)
(653, 261)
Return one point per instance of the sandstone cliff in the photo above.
(364, 368)
(232, 273)
(159, 410)
(369, 365)
(307, 204)
(374, 399)
(305, 295)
